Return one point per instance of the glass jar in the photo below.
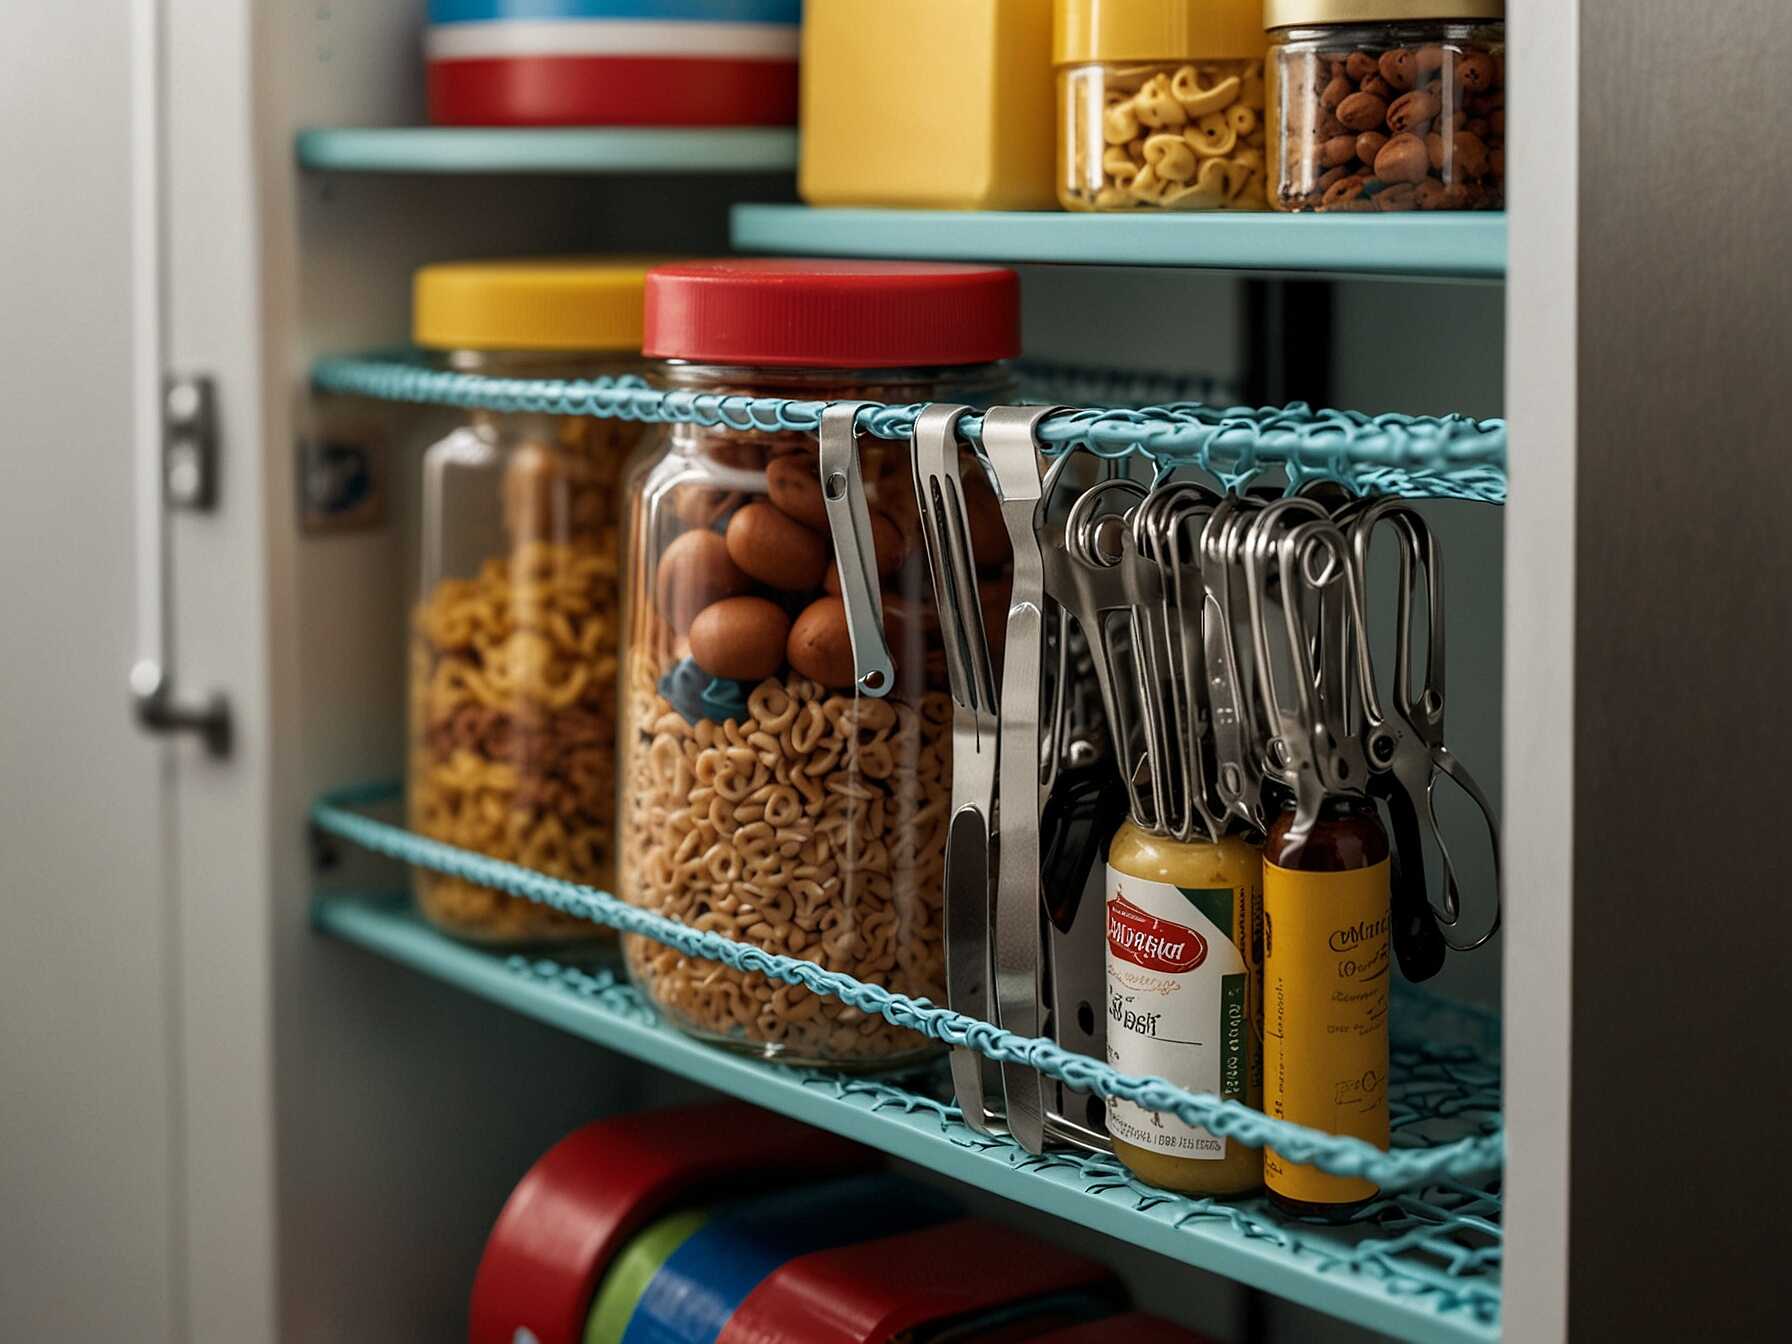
(1387, 104)
(513, 665)
(1160, 104)
(764, 797)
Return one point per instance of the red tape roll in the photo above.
(611, 91)
(869, 1292)
(588, 1194)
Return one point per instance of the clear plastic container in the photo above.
(1407, 114)
(763, 796)
(513, 665)
(1160, 104)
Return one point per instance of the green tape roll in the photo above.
(631, 1272)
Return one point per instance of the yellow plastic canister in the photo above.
(942, 104)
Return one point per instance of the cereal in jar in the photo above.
(765, 795)
(514, 644)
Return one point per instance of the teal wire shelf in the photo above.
(1422, 1265)
(573, 150)
(1466, 246)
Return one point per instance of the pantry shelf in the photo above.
(1423, 1266)
(1413, 246)
(478, 149)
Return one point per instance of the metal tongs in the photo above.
(970, 837)
(1403, 740)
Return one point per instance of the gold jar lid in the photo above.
(1157, 30)
(1320, 13)
(539, 303)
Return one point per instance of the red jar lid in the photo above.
(828, 314)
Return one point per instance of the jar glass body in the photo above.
(1389, 117)
(513, 663)
(761, 797)
(1161, 135)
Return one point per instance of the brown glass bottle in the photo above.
(1326, 971)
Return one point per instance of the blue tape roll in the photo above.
(696, 11)
(698, 1288)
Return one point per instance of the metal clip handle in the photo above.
(1013, 453)
(970, 842)
(849, 519)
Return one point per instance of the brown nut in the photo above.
(1368, 145)
(1399, 67)
(694, 571)
(819, 647)
(1339, 149)
(1430, 59)
(795, 488)
(1475, 71)
(1378, 86)
(1496, 162)
(888, 546)
(741, 638)
(1471, 154)
(1329, 179)
(1362, 112)
(1431, 195)
(1403, 159)
(702, 505)
(1344, 191)
(1359, 65)
(771, 546)
(1402, 196)
(1329, 125)
(1335, 92)
(1496, 121)
(1414, 111)
(1434, 150)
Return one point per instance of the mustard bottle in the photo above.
(1184, 999)
(1326, 969)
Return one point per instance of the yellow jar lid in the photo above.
(544, 303)
(1157, 30)
(1318, 13)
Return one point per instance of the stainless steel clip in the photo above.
(849, 519)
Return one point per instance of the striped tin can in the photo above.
(613, 62)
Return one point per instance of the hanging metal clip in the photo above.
(849, 519)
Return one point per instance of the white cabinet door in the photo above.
(87, 1055)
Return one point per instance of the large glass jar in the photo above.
(1387, 104)
(764, 796)
(1160, 104)
(516, 627)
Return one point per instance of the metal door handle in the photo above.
(182, 475)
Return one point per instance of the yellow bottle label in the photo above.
(1325, 1028)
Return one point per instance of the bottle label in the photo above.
(1179, 1003)
(1325, 1017)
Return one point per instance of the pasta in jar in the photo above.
(762, 796)
(514, 650)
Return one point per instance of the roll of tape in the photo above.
(590, 1193)
(633, 1270)
(703, 1284)
(966, 1268)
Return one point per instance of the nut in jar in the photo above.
(764, 797)
(1391, 116)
